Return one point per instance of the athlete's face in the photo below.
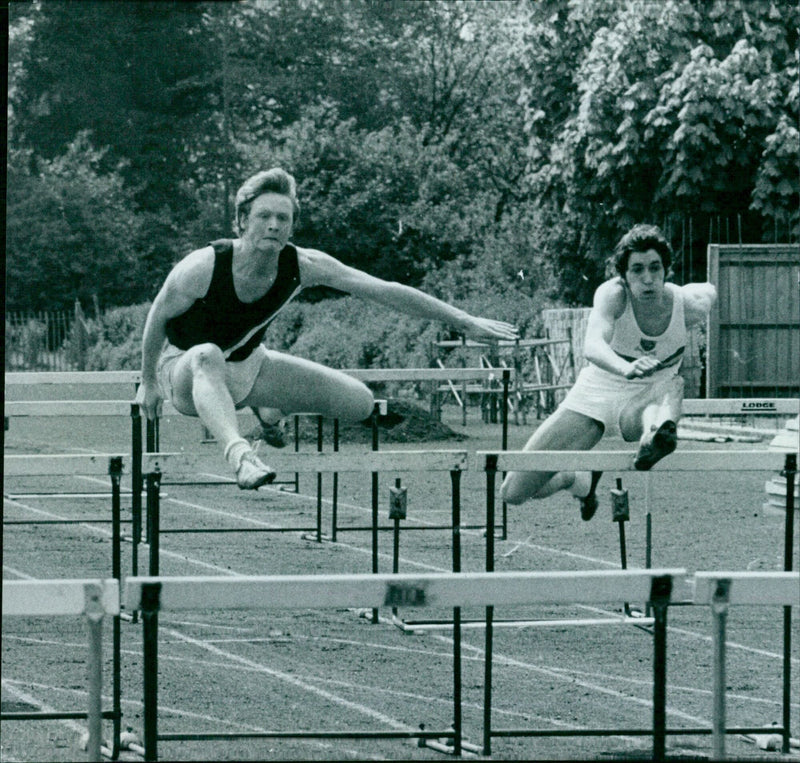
(268, 225)
(645, 275)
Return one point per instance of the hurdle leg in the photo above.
(504, 443)
(719, 610)
(137, 485)
(491, 478)
(95, 681)
(375, 412)
(296, 450)
(790, 471)
(335, 505)
(659, 597)
(319, 482)
(115, 472)
(151, 594)
(455, 482)
(153, 518)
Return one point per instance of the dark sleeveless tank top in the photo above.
(221, 318)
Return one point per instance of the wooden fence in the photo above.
(754, 330)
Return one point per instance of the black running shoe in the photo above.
(589, 503)
(662, 443)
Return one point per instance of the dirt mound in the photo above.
(403, 422)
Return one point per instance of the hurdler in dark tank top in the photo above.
(221, 318)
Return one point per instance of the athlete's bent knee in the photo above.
(204, 357)
(510, 491)
(362, 403)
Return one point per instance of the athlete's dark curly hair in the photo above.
(641, 238)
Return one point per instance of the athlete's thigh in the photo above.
(566, 430)
(297, 385)
(563, 430)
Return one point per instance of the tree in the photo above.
(681, 107)
(71, 233)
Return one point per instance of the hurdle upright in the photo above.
(720, 590)
(92, 599)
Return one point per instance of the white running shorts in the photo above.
(240, 376)
(603, 396)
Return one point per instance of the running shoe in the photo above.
(252, 473)
(589, 502)
(272, 434)
(659, 444)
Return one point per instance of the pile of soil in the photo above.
(403, 422)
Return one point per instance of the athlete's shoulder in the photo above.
(611, 297)
(193, 273)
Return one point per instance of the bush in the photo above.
(115, 339)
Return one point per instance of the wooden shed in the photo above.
(754, 329)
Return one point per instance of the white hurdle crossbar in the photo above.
(622, 460)
(316, 462)
(92, 599)
(722, 589)
(150, 595)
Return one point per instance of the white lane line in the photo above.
(293, 680)
(107, 534)
(18, 573)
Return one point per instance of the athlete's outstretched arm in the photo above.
(320, 269)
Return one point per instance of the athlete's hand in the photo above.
(490, 329)
(149, 399)
(642, 367)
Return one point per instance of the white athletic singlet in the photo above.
(630, 342)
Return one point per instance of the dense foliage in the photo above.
(493, 152)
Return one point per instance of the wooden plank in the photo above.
(401, 590)
(59, 465)
(741, 406)
(29, 378)
(621, 461)
(367, 461)
(772, 587)
(36, 598)
(712, 325)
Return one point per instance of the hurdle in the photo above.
(92, 599)
(622, 461)
(156, 464)
(111, 465)
(151, 595)
(720, 590)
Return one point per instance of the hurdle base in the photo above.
(420, 626)
(323, 537)
(446, 744)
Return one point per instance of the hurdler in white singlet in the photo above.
(602, 395)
